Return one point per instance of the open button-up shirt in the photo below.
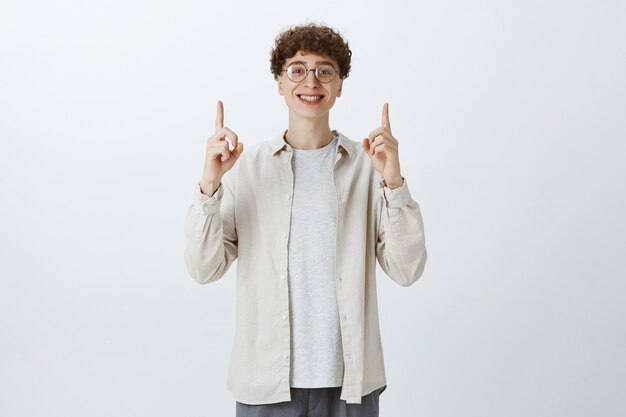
(248, 219)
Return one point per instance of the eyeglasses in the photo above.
(297, 72)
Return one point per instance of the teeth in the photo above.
(310, 98)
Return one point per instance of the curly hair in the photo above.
(315, 38)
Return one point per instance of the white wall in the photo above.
(512, 129)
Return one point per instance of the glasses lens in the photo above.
(296, 72)
(325, 73)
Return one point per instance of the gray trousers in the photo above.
(313, 402)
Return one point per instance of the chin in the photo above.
(312, 114)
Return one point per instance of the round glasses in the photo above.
(297, 72)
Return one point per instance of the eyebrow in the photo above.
(316, 62)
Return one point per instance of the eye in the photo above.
(297, 69)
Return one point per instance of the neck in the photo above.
(308, 133)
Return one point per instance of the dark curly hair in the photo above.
(315, 38)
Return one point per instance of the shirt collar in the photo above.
(279, 143)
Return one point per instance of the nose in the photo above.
(310, 78)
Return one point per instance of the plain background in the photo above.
(511, 119)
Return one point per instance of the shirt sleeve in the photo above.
(400, 248)
(210, 233)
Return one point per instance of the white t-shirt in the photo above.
(316, 350)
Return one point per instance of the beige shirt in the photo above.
(248, 218)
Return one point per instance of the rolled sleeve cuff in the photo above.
(208, 204)
(396, 198)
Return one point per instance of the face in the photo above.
(310, 86)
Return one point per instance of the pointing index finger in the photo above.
(386, 123)
(219, 119)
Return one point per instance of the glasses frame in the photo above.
(315, 71)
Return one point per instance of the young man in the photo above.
(306, 214)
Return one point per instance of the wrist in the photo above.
(395, 183)
(209, 187)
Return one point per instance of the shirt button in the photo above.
(288, 197)
(345, 317)
(284, 277)
(286, 356)
(285, 235)
(284, 316)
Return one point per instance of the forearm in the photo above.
(401, 247)
(210, 246)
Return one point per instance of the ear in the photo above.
(280, 86)
(340, 87)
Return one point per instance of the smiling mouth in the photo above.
(310, 98)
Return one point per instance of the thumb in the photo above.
(366, 146)
(238, 150)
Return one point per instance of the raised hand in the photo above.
(382, 148)
(219, 157)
